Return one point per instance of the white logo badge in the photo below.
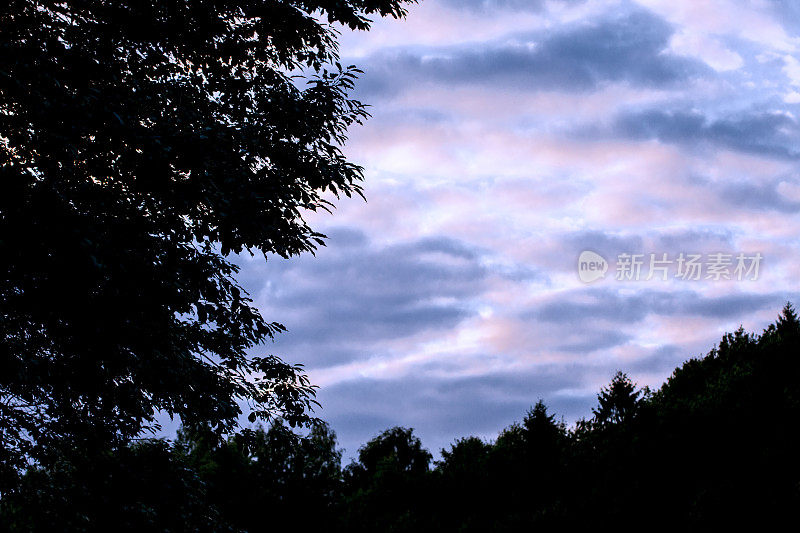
(591, 266)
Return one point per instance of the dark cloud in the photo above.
(603, 305)
(355, 293)
(491, 6)
(497, 5)
(348, 298)
(629, 48)
(592, 341)
(607, 245)
(700, 239)
(759, 197)
(441, 409)
(685, 239)
(610, 245)
(766, 133)
(347, 237)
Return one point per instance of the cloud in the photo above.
(606, 244)
(711, 51)
(661, 360)
(361, 295)
(694, 239)
(630, 48)
(753, 20)
(493, 5)
(767, 133)
(443, 410)
(787, 13)
(603, 305)
(760, 197)
(356, 294)
(593, 340)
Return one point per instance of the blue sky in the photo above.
(507, 137)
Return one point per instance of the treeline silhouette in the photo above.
(716, 446)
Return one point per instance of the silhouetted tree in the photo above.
(617, 402)
(466, 457)
(395, 450)
(788, 324)
(141, 143)
(544, 435)
(386, 487)
(463, 487)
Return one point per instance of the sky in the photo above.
(509, 136)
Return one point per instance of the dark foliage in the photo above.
(141, 143)
(144, 487)
(386, 487)
(272, 480)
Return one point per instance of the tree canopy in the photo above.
(142, 143)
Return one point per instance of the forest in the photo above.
(715, 445)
